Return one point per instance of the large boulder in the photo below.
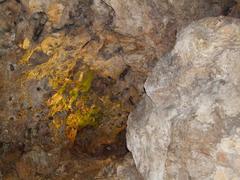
(188, 124)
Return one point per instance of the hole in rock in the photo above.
(39, 89)
(10, 98)
(11, 118)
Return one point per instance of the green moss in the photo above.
(74, 94)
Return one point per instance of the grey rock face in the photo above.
(188, 127)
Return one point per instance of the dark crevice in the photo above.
(228, 9)
(39, 20)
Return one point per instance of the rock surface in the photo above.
(157, 21)
(124, 169)
(71, 71)
(188, 126)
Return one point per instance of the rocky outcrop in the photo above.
(187, 126)
(71, 71)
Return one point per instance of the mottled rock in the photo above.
(9, 12)
(159, 20)
(234, 9)
(72, 70)
(37, 161)
(187, 126)
(58, 12)
(127, 169)
(123, 169)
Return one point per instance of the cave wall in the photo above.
(71, 71)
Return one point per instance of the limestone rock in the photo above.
(187, 126)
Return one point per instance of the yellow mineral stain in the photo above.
(26, 43)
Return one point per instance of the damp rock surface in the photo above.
(187, 125)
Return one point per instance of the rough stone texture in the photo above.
(187, 126)
(157, 21)
(123, 169)
(71, 71)
(234, 11)
(37, 161)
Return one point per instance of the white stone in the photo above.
(186, 127)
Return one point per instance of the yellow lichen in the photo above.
(28, 54)
(50, 44)
(86, 81)
(47, 46)
(26, 43)
(85, 116)
(74, 105)
(72, 97)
